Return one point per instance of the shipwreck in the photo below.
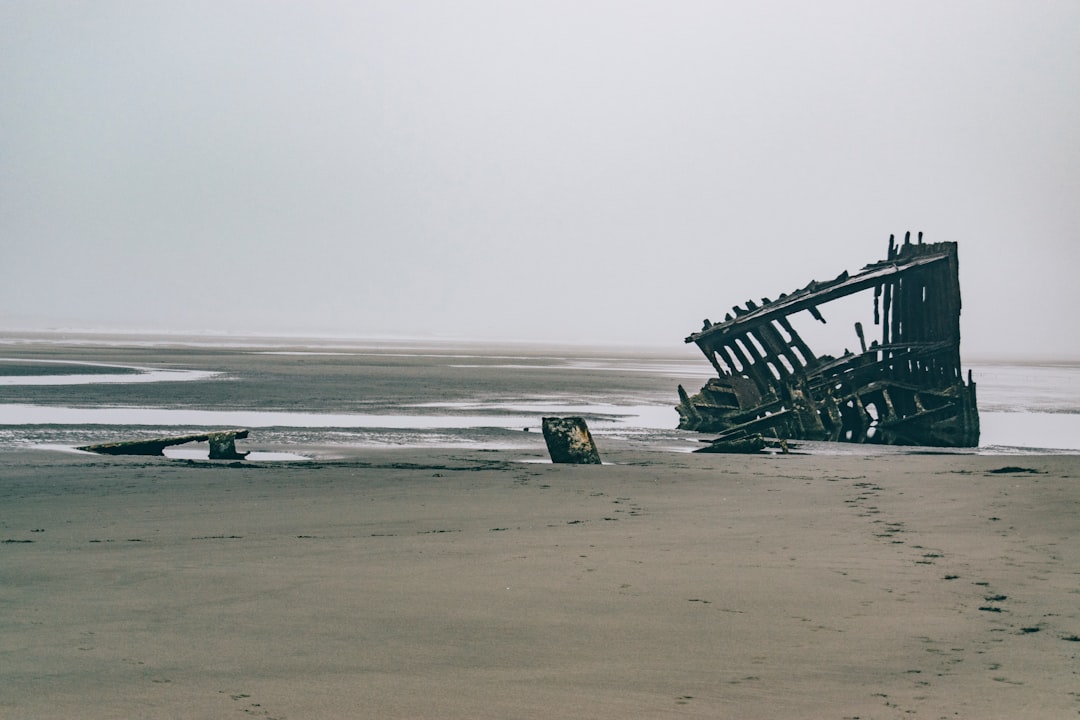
(906, 388)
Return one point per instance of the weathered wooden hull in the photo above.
(906, 389)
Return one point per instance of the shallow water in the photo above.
(404, 394)
(50, 372)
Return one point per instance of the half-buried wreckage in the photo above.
(906, 389)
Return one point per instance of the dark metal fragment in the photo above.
(222, 445)
(569, 441)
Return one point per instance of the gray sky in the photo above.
(553, 171)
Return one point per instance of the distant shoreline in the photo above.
(415, 394)
(675, 348)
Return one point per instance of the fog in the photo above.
(567, 172)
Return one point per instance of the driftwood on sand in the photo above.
(222, 445)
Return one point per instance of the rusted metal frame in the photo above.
(936, 366)
(900, 323)
(840, 371)
(921, 416)
(865, 421)
(923, 320)
(896, 320)
(721, 346)
(871, 392)
(912, 319)
(927, 346)
(885, 408)
(764, 357)
(763, 353)
(914, 309)
(753, 365)
(805, 299)
(852, 378)
(946, 369)
(928, 311)
(939, 312)
(871, 396)
(912, 356)
(935, 304)
(917, 399)
(732, 414)
(685, 404)
(851, 418)
(886, 309)
(884, 386)
(772, 340)
(932, 322)
(756, 422)
(770, 409)
(831, 408)
(730, 353)
(710, 355)
(951, 314)
(862, 337)
(721, 350)
(810, 360)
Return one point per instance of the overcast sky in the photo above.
(554, 171)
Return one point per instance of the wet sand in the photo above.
(467, 584)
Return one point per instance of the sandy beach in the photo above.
(470, 584)
(363, 250)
